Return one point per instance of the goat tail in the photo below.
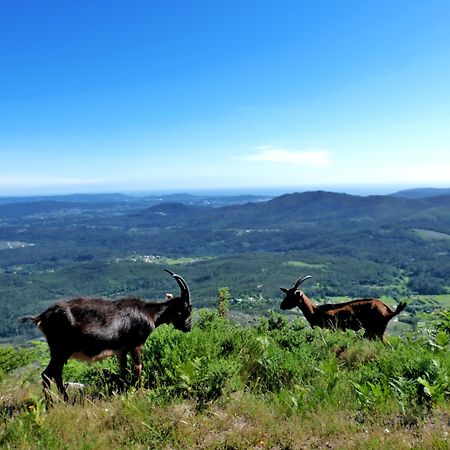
(400, 307)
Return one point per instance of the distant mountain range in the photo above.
(72, 198)
(64, 201)
(417, 207)
(211, 200)
(422, 192)
(296, 210)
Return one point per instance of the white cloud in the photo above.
(316, 158)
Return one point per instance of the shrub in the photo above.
(280, 360)
(12, 358)
(223, 296)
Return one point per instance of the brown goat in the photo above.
(370, 314)
(91, 329)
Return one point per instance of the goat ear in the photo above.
(169, 296)
(284, 290)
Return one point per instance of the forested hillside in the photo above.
(114, 246)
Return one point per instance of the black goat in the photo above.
(90, 329)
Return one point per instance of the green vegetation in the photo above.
(303, 265)
(261, 379)
(116, 246)
(273, 385)
(223, 296)
(253, 279)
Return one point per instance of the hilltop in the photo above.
(271, 385)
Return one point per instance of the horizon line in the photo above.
(351, 189)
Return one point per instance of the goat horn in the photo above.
(183, 285)
(300, 281)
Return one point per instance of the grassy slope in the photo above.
(240, 423)
(275, 385)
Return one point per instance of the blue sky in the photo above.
(189, 95)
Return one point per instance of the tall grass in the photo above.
(276, 384)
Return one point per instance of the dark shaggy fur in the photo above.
(90, 329)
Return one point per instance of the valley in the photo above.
(353, 246)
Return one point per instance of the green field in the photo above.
(443, 299)
(431, 234)
(304, 265)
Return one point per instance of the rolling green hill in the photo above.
(352, 245)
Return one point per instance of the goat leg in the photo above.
(136, 356)
(54, 371)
